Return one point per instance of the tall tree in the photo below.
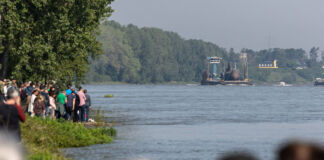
(45, 40)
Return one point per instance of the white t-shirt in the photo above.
(5, 89)
(31, 104)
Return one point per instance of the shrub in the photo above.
(45, 137)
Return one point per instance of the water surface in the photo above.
(189, 122)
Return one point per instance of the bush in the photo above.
(44, 138)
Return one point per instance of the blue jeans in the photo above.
(47, 113)
(82, 113)
(87, 112)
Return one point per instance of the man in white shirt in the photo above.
(31, 100)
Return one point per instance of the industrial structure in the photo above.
(229, 76)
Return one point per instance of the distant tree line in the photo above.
(151, 55)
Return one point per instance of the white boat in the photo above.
(284, 84)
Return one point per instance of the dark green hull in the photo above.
(319, 83)
(226, 83)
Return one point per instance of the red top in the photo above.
(21, 114)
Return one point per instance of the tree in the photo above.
(314, 53)
(49, 39)
(151, 55)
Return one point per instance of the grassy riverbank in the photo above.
(44, 138)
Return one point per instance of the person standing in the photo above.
(87, 104)
(10, 115)
(31, 101)
(29, 88)
(5, 87)
(14, 83)
(76, 108)
(52, 107)
(70, 105)
(46, 100)
(82, 98)
(39, 106)
(69, 90)
(61, 100)
(2, 96)
(52, 90)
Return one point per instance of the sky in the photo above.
(253, 24)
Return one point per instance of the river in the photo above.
(192, 122)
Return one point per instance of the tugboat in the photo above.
(319, 82)
(229, 77)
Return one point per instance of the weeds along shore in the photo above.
(44, 138)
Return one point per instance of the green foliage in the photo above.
(49, 40)
(150, 55)
(44, 138)
(99, 115)
(109, 96)
(288, 61)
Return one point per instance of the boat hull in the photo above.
(226, 83)
(319, 83)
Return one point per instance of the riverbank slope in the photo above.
(44, 138)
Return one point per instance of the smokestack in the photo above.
(244, 59)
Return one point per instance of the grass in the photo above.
(44, 138)
(109, 96)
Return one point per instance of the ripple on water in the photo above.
(197, 122)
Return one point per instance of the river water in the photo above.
(192, 122)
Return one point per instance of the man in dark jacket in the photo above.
(45, 95)
(10, 114)
(76, 108)
(70, 105)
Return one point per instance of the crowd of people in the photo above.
(41, 101)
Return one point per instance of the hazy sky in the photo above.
(256, 24)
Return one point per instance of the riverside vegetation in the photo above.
(151, 55)
(44, 41)
(52, 135)
(52, 41)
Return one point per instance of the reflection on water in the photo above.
(202, 122)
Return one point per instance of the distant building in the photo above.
(269, 65)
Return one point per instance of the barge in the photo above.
(229, 76)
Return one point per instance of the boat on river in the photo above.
(230, 76)
(319, 82)
(284, 84)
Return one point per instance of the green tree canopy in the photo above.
(44, 40)
(151, 55)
